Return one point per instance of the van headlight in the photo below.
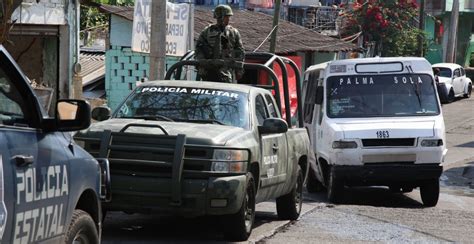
(431, 143)
(230, 161)
(344, 144)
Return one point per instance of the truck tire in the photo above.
(289, 205)
(313, 185)
(429, 192)
(335, 187)
(82, 229)
(240, 224)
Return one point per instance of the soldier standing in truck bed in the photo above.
(220, 41)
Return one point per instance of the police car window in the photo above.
(11, 102)
(260, 110)
(271, 106)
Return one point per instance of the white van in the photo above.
(375, 122)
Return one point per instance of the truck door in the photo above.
(273, 147)
(38, 164)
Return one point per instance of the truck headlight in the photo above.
(230, 161)
(432, 143)
(344, 144)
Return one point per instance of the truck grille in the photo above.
(395, 142)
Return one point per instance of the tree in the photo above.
(390, 24)
(92, 19)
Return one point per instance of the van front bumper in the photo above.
(387, 174)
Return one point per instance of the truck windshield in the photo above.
(381, 96)
(187, 104)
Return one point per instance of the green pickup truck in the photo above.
(195, 148)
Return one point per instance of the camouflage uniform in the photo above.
(219, 42)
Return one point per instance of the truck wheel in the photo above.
(429, 192)
(240, 224)
(335, 187)
(289, 205)
(313, 185)
(82, 229)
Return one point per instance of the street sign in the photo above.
(177, 27)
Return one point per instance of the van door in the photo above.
(38, 164)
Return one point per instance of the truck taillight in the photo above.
(3, 209)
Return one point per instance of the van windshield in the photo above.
(381, 96)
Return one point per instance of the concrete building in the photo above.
(44, 42)
(437, 25)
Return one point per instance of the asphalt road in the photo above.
(368, 214)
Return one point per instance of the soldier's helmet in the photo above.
(222, 10)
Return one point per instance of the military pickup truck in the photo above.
(196, 148)
(50, 188)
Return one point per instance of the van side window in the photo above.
(463, 72)
(260, 109)
(271, 106)
(12, 105)
(310, 98)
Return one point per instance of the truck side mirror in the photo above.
(319, 95)
(72, 115)
(273, 126)
(101, 113)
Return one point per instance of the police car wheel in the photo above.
(335, 187)
(429, 192)
(289, 205)
(240, 224)
(82, 229)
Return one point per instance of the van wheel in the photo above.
(289, 205)
(240, 224)
(429, 192)
(451, 97)
(313, 185)
(469, 91)
(335, 187)
(82, 229)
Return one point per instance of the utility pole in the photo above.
(422, 28)
(158, 40)
(453, 29)
(276, 19)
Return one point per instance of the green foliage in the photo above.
(388, 23)
(92, 19)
